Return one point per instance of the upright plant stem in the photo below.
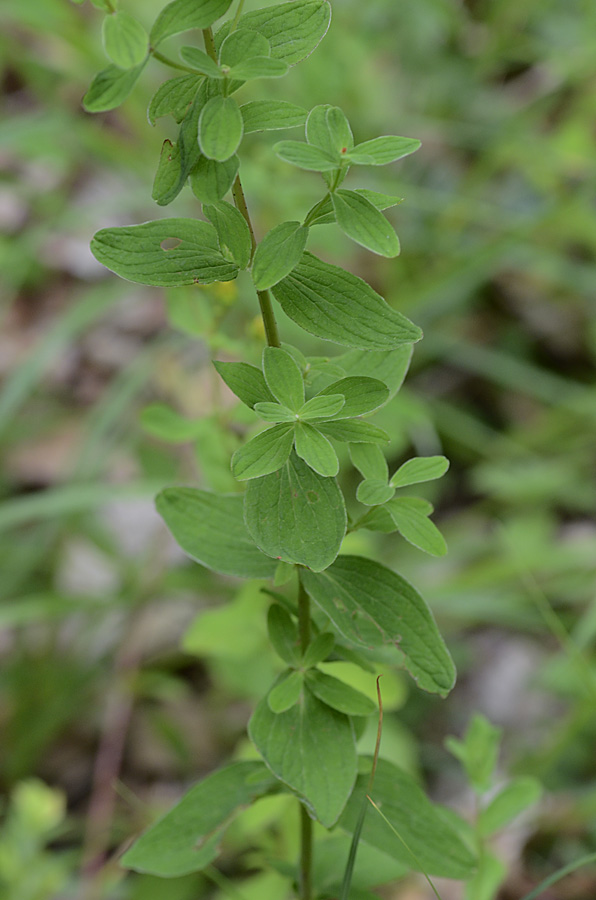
(305, 820)
(267, 314)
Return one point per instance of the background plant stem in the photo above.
(305, 819)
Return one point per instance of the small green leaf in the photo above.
(232, 231)
(419, 469)
(310, 748)
(354, 431)
(361, 221)
(286, 692)
(339, 695)
(211, 180)
(328, 129)
(373, 493)
(370, 462)
(427, 841)
(318, 650)
(322, 407)
(337, 306)
(292, 29)
(264, 454)
(274, 412)
(199, 60)
(305, 156)
(259, 67)
(485, 883)
(246, 381)
(296, 515)
(378, 200)
(339, 130)
(478, 751)
(220, 128)
(283, 377)
(183, 15)
(278, 253)
(363, 395)
(167, 253)
(512, 800)
(210, 529)
(186, 839)
(383, 150)
(243, 44)
(168, 173)
(166, 424)
(316, 451)
(125, 40)
(283, 634)
(173, 98)
(271, 115)
(416, 528)
(371, 605)
(111, 87)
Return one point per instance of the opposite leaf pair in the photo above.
(277, 394)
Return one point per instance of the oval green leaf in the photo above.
(280, 250)
(316, 451)
(166, 253)
(383, 150)
(263, 454)
(419, 469)
(296, 515)
(339, 695)
(182, 15)
(371, 606)
(210, 529)
(271, 115)
(337, 306)
(220, 128)
(361, 221)
(125, 40)
(283, 377)
(210, 180)
(286, 693)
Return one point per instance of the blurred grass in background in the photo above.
(498, 266)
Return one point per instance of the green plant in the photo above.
(290, 522)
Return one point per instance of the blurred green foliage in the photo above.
(498, 264)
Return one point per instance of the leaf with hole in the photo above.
(246, 381)
(220, 128)
(210, 529)
(337, 306)
(125, 40)
(234, 235)
(296, 515)
(311, 748)
(183, 15)
(372, 606)
(263, 454)
(278, 253)
(187, 838)
(166, 252)
(271, 115)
